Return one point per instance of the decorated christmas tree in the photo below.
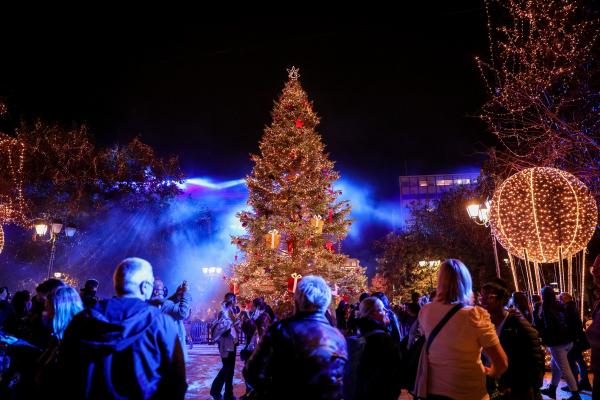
(297, 220)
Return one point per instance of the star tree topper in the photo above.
(293, 73)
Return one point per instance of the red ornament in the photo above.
(330, 215)
(346, 298)
(299, 123)
(234, 288)
(293, 282)
(329, 246)
(290, 245)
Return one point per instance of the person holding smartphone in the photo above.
(176, 306)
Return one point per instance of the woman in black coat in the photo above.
(557, 335)
(373, 369)
(519, 339)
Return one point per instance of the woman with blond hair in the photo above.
(456, 332)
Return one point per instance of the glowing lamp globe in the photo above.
(56, 226)
(70, 230)
(41, 227)
(544, 212)
(473, 210)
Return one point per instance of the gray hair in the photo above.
(130, 274)
(370, 306)
(313, 294)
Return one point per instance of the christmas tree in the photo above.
(297, 221)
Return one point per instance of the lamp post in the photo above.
(480, 214)
(53, 228)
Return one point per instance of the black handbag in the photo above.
(245, 353)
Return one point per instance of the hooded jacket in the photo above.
(123, 348)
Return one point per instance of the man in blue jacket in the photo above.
(124, 348)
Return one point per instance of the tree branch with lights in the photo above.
(52, 170)
(542, 80)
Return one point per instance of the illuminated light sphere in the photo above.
(542, 210)
(1, 239)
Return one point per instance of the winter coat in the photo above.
(222, 332)
(580, 342)
(301, 357)
(179, 309)
(374, 368)
(526, 356)
(593, 335)
(123, 348)
(553, 325)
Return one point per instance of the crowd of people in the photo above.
(451, 344)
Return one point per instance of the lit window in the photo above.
(422, 183)
(443, 182)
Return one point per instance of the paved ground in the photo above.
(204, 364)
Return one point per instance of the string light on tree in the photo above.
(543, 102)
(291, 195)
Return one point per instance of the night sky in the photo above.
(395, 96)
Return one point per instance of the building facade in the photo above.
(423, 189)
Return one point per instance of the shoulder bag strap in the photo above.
(441, 324)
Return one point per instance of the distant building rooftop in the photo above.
(426, 188)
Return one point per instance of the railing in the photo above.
(199, 331)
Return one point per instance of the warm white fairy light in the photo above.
(540, 210)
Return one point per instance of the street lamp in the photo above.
(41, 228)
(480, 214)
(212, 271)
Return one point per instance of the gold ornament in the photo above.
(540, 212)
(272, 239)
(317, 223)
